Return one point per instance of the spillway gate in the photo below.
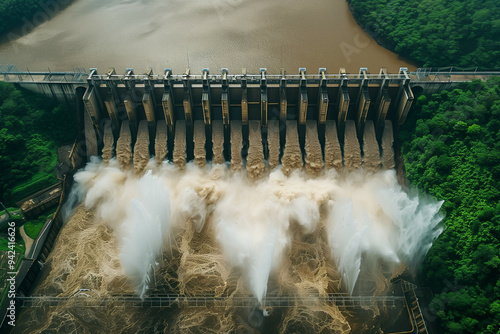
(321, 98)
(247, 97)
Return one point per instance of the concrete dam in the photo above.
(365, 102)
(205, 115)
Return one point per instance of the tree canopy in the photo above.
(451, 146)
(435, 33)
(32, 127)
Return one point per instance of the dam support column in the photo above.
(224, 101)
(167, 101)
(224, 98)
(91, 104)
(92, 99)
(244, 99)
(205, 99)
(187, 101)
(303, 102)
(111, 100)
(322, 97)
(128, 101)
(343, 103)
(263, 98)
(405, 97)
(283, 99)
(92, 115)
(363, 102)
(148, 100)
(383, 103)
(90, 136)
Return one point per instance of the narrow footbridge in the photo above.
(83, 298)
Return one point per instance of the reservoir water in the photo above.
(200, 34)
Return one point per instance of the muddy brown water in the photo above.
(199, 33)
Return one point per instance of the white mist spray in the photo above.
(253, 220)
(373, 220)
(369, 218)
(144, 227)
(136, 208)
(249, 231)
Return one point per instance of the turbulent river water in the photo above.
(199, 34)
(296, 229)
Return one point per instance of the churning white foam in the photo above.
(369, 218)
(372, 220)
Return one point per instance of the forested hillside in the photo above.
(26, 14)
(435, 32)
(32, 127)
(451, 146)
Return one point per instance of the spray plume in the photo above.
(369, 218)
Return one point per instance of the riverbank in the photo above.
(19, 17)
(373, 30)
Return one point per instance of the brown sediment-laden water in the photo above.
(109, 142)
(352, 151)
(273, 139)
(255, 158)
(292, 156)
(199, 34)
(179, 155)
(313, 156)
(231, 235)
(333, 153)
(218, 142)
(161, 141)
(387, 146)
(371, 152)
(199, 138)
(236, 143)
(124, 146)
(141, 148)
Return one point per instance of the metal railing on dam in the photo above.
(9, 73)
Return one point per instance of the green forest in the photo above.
(26, 14)
(435, 33)
(451, 146)
(32, 127)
